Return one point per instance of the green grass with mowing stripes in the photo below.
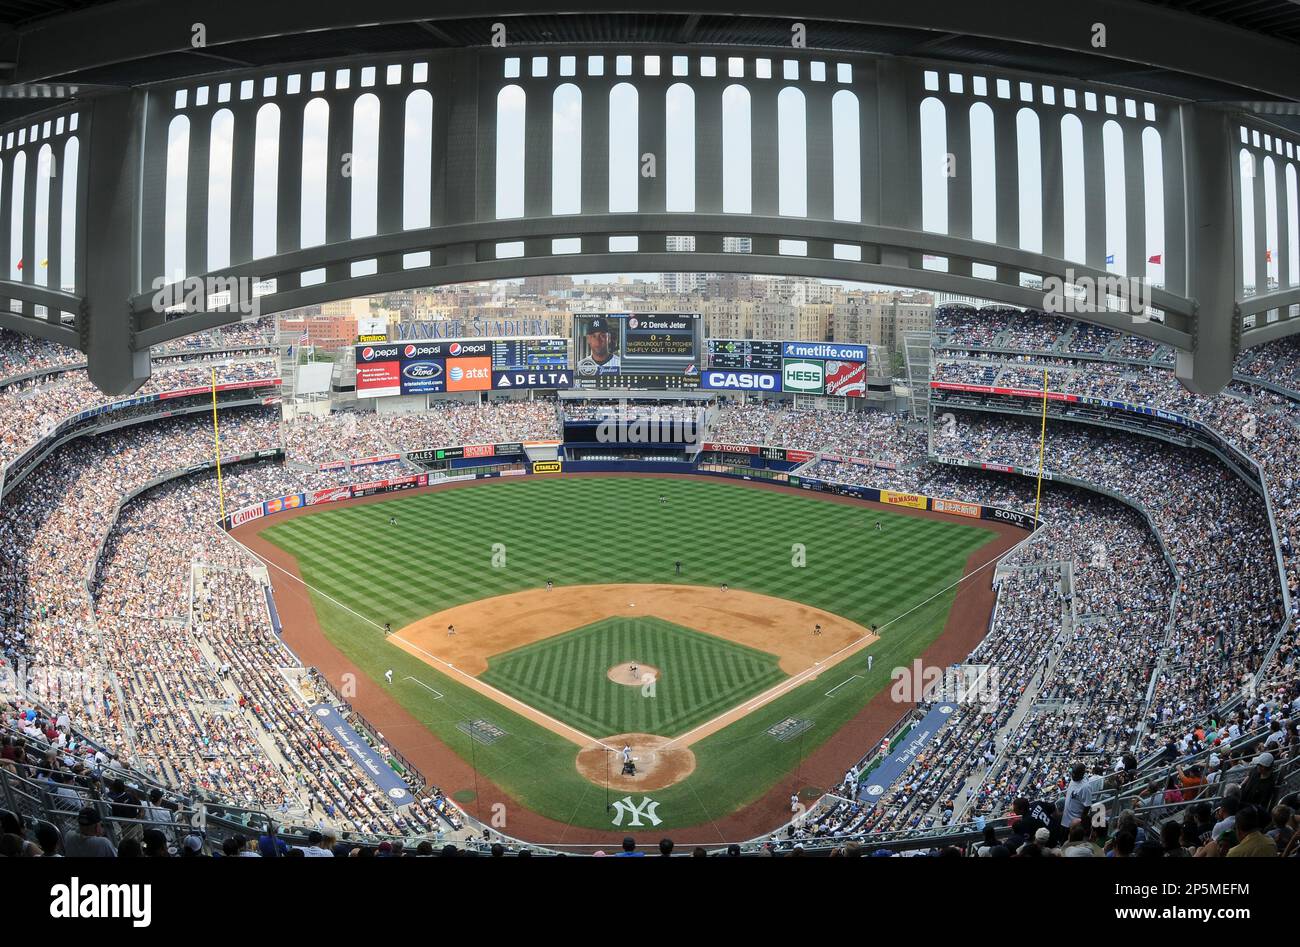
(365, 572)
(566, 677)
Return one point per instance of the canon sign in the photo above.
(740, 381)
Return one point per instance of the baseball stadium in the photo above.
(829, 431)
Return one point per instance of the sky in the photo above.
(676, 168)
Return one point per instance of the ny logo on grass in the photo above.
(647, 807)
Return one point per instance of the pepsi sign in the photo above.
(377, 353)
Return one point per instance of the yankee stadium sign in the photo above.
(474, 328)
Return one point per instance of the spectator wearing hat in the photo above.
(1260, 784)
(89, 840)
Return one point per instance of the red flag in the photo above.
(20, 263)
(1154, 258)
(1268, 256)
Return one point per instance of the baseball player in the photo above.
(388, 628)
(678, 564)
(549, 585)
(392, 521)
(871, 659)
(388, 676)
(794, 802)
(451, 630)
(878, 526)
(817, 629)
(634, 670)
(602, 348)
(725, 586)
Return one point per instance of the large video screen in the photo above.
(419, 368)
(637, 350)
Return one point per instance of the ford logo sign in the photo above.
(423, 370)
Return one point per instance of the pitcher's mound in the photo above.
(623, 674)
(656, 767)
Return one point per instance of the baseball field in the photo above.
(719, 631)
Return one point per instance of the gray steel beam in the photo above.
(1212, 201)
(1138, 33)
(117, 364)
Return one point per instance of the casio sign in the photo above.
(741, 381)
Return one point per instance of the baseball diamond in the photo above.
(730, 663)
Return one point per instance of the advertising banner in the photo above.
(378, 379)
(199, 390)
(846, 379)
(291, 502)
(803, 376)
(535, 378)
(360, 462)
(247, 515)
(957, 508)
(332, 495)
(433, 367)
(722, 380)
(1023, 520)
(913, 500)
(469, 374)
(547, 466)
(1014, 392)
(823, 350)
(731, 448)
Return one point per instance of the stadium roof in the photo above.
(1231, 51)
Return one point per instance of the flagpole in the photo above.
(216, 443)
(1042, 449)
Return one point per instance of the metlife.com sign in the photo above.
(832, 350)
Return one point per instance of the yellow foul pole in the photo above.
(1043, 444)
(216, 443)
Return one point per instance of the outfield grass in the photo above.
(590, 530)
(566, 677)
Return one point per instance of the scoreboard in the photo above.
(523, 354)
(754, 354)
(637, 350)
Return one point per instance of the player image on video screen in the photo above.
(600, 353)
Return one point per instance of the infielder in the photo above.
(451, 630)
(388, 676)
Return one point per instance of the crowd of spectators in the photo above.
(874, 435)
(349, 435)
(20, 354)
(29, 411)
